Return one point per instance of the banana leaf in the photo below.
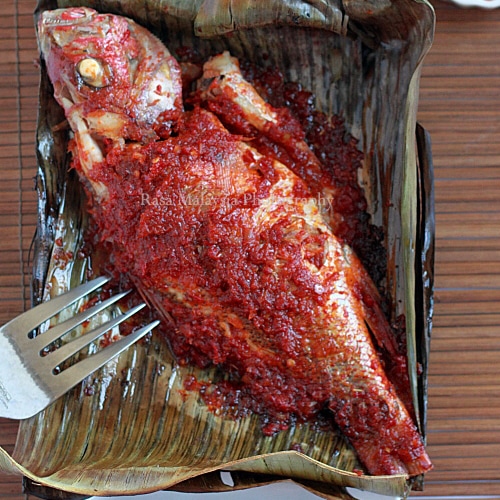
(130, 428)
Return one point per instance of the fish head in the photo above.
(114, 79)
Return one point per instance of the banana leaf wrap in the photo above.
(133, 432)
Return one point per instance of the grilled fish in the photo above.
(228, 243)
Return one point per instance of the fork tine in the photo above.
(32, 318)
(57, 331)
(76, 373)
(64, 352)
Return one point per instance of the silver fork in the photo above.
(30, 374)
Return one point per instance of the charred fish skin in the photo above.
(254, 279)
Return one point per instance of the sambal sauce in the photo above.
(183, 231)
(236, 217)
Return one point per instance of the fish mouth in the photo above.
(57, 25)
(66, 17)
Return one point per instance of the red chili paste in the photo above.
(183, 229)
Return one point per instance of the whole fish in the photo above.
(227, 242)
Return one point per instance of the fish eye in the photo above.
(93, 72)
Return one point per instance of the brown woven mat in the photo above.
(460, 107)
(18, 109)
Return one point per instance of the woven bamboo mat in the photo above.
(18, 109)
(460, 107)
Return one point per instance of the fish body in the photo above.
(228, 243)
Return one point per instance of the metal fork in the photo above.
(31, 376)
